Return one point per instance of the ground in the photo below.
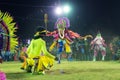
(74, 70)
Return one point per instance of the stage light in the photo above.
(66, 9)
(58, 11)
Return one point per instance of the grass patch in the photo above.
(75, 70)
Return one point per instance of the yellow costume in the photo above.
(37, 49)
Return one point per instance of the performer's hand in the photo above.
(47, 32)
(88, 36)
(50, 49)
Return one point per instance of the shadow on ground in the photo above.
(17, 75)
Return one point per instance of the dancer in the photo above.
(37, 50)
(63, 37)
(98, 44)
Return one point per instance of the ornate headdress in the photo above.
(62, 22)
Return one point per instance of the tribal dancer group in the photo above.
(37, 48)
(37, 59)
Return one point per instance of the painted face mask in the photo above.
(61, 25)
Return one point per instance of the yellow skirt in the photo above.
(44, 62)
(68, 48)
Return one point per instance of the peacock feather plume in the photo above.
(11, 28)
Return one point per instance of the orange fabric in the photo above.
(24, 59)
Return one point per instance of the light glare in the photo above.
(66, 9)
(58, 10)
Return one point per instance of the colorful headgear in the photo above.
(98, 34)
(64, 22)
(40, 31)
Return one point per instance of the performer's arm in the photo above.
(73, 34)
(52, 46)
(76, 35)
(50, 33)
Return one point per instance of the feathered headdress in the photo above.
(9, 28)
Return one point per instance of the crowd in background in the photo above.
(81, 50)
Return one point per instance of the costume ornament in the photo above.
(8, 29)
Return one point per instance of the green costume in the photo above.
(38, 47)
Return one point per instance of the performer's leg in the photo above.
(44, 63)
(29, 64)
(38, 66)
(59, 57)
(70, 56)
(103, 52)
(95, 54)
(24, 63)
(68, 51)
(52, 46)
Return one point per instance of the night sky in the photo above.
(86, 16)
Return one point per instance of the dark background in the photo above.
(86, 16)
